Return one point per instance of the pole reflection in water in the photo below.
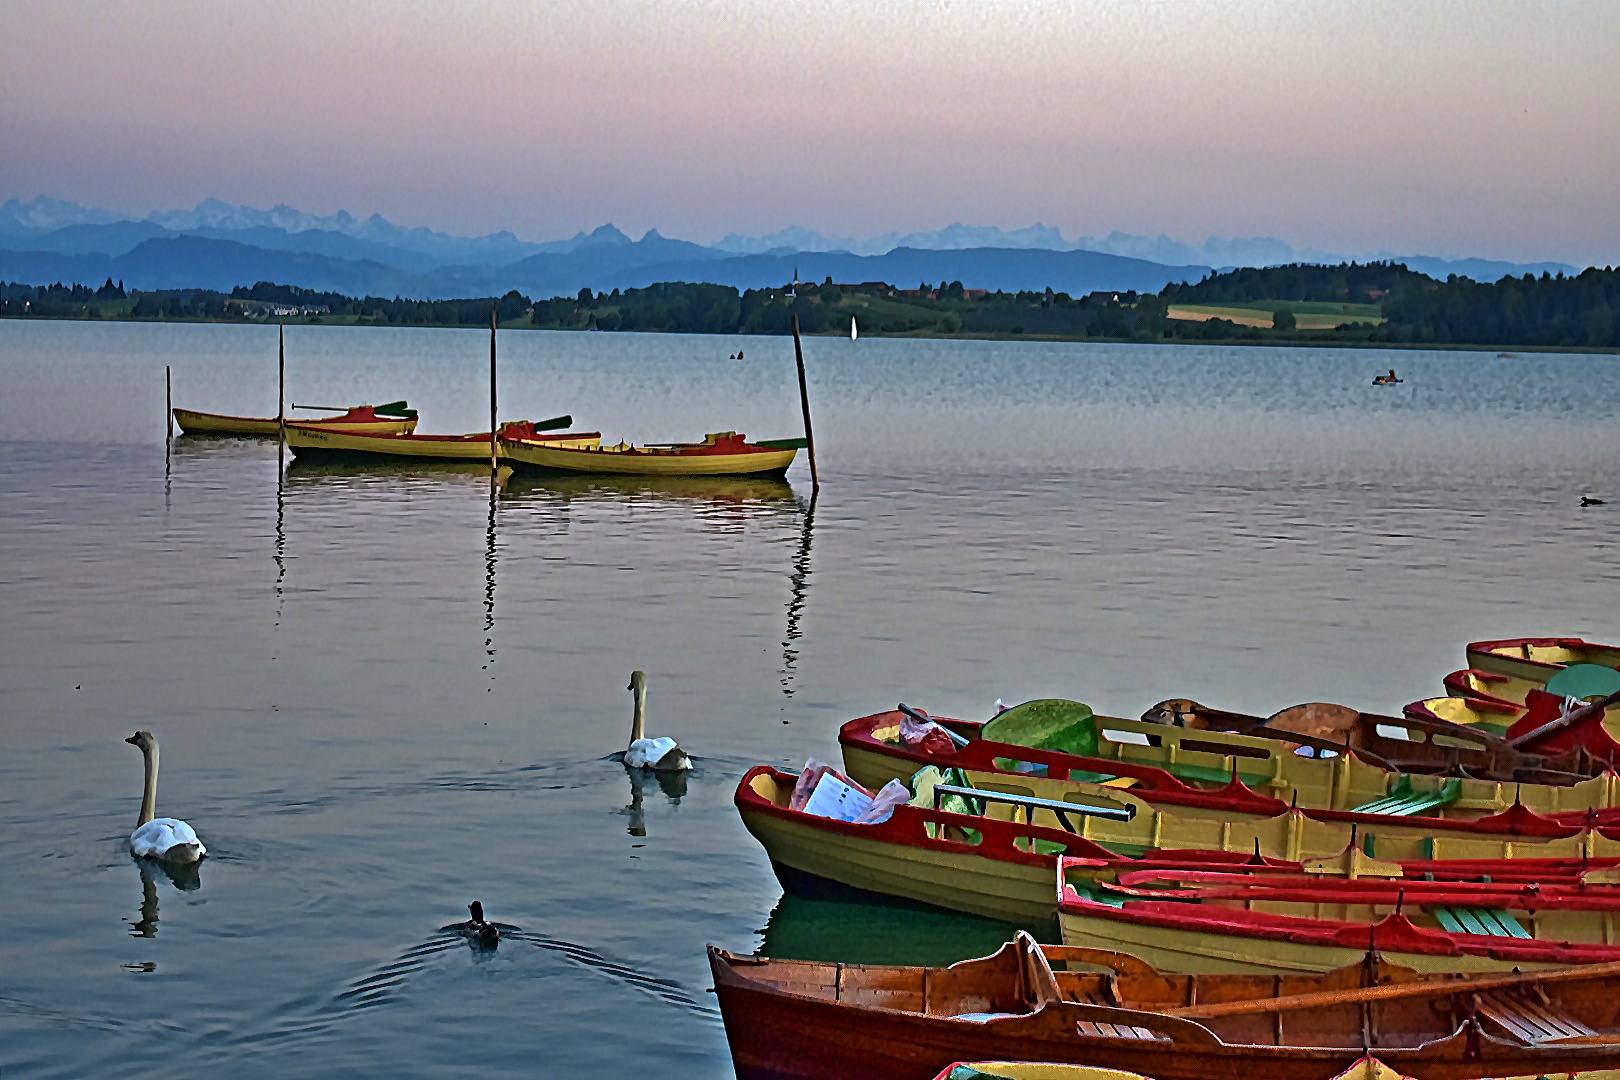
(495, 484)
(799, 584)
(672, 784)
(280, 556)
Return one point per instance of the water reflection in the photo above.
(497, 478)
(740, 492)
(799, 587)
(672, 784)
(799, 928)
(186, 877)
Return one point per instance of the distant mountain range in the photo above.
(219, 246)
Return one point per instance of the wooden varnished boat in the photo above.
(724, 453)
(991, 852)
(391, 419)
(323, 441)
(1365, 1069)
(1527, 663)
(810, 1020)
(1205, 773)
(1222, 920)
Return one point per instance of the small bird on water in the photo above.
(1587, 500)
(477, 931)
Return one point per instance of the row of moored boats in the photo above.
(1319, 893)
(388, 433)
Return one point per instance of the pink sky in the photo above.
(1444, 128)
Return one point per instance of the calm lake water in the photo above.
(382, 693)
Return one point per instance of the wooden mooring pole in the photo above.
(494, 442)
(281, 382)
(804, 400)
(168, 401)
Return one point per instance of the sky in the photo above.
(1457, 129)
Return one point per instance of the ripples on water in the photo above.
(383, 692)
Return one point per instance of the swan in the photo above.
(165, 838)
(476, 929)
(662, 755)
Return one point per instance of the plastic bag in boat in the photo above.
(926, 735)
(810, 776)
(891, 795)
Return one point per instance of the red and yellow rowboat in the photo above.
(1491, 714)
(996, 859)
(1527, 663)
(724, 453)
(815, 1020)
(1207, 774)
(391, 419)
(1221, 921)
(321, 440)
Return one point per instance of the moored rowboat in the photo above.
(1365, 1069)
(391, 419)
(723, 453)
(1528, 663)
(321, 440)
(1277, 921)
(814, 1020)
(996, 859)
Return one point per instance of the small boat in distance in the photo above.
(854, 334)
(394, 418)
(322, 441)
(1386, 380)
(722, 453)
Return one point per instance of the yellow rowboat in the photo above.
(724, 453)
(994, 858)
(1488, 714)
(1225, 921)
(1528, 663)
(1189, 768)
(321, 441)
(391, 419)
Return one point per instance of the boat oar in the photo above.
(1575, 717)
(320, 408)
(1388, 991)
(554, 423)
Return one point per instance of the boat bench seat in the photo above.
(1533, 1022)
(1117, 1031)
(1402, 801)
(1467, 920)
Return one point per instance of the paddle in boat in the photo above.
(393, 418)
(810, 1020)
(1527, 663)
(321, 441)
(724, 453)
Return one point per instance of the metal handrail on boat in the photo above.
(1061, 809)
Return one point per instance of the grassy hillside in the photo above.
(1308, 314)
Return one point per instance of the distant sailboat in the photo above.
(853, 333)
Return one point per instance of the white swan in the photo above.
(662, 755)
(165, 838)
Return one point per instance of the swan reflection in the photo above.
(672, 784)
(186, 877)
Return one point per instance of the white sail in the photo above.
(853, 333)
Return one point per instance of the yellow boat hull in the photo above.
(1194, 952)
(308, 439)
(625, 460)
(1528, 664)
(200, 423)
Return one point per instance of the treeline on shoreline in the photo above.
(1380, 304)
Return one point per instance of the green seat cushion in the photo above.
(1046, 724)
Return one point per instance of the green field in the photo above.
(1308, 314)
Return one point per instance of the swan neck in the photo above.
(638, 719)
(149, 795)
